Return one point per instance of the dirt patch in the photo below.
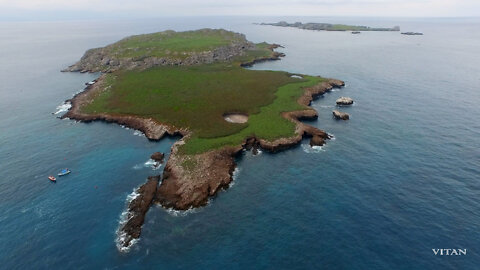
(237, 118)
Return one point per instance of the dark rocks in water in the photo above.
(158, 157)
(317, 141)
(412, 33)
(341, 115)
(344, 101)
(356, 32)
(252, 144)
(137, 209)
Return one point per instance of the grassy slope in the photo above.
(173, 44)
(197, 97)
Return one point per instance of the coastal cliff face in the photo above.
(189, 180)
(125, 54)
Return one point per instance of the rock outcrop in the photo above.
(341, 115)
(189, 180)
(317, 141)
(344, 101)
(158, 157)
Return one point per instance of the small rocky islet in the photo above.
(152, 84)
(340, 115)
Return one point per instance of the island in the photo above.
(195, 84)
(412, 33)
(331, 27)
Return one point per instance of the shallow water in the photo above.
(399, 179)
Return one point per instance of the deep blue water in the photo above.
(399, 179)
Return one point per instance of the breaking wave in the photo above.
(312, 149)
(182, 213)
(138, 133)
(154, 165)
(63, 107)
(234, 176)
(124, 218)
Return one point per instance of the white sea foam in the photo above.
(259, 152)
(182, 213)
(234, 176)
(125, 216)
(154, 165)
(312, 149)
(138, 133)
(63, 107)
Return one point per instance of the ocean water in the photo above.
(399, 179)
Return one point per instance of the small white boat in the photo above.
(64, 172)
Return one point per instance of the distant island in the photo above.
(412, 33)
(194, 84)
(330, 27)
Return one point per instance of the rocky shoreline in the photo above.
(137, 209)
(107, 60)
(181, 186)
(275, 56)
(182, 189)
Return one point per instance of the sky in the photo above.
(11, 9)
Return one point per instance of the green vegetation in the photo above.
(197, 97)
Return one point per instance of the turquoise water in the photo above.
(400, 178)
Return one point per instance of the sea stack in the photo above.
(341, 115)
(317, 141)
(158, 157)
(344, 101)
